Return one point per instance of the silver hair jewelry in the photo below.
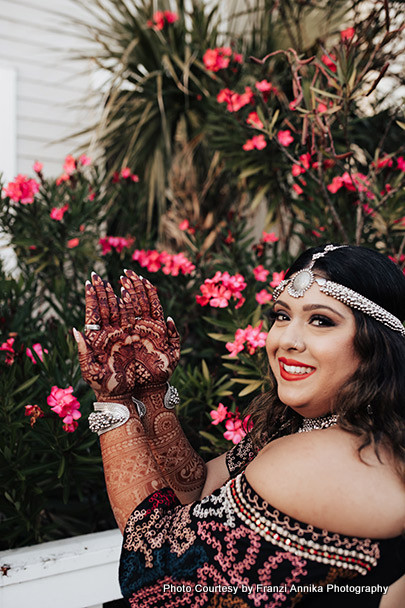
(316, 424)
(107, 416)
(302, 280)
(92, 327)
(170, 400)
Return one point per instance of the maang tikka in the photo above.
(303, 280)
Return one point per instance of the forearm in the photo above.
(130, 469)
(179, 463)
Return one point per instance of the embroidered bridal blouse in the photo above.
(233, 549)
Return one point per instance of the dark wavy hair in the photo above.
(371, 403)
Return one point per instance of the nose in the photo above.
(291, 338)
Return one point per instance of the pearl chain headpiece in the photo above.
(302, 280)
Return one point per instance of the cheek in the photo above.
(271, 347)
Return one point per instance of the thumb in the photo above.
(85, 354)
(173, 337)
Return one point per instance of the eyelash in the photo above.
(324, 321)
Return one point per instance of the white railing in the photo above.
(79, 572)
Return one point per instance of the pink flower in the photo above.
(35, 412)
(62, 402)
(62, 178)
(265, 88)
(71, 427)
(317, 233)
(329, 61)
(305, 160)
(285, 138)
(263, 297)
(57, 213)
(297, 170)
(254, 120)
(84, 160)
(9, 350)
(260, 273)
(218, 291)
(277, 278)
(117, 242)
(269, 237)
(235, 101)
(22, 190)
(69, 165)
(161, 18)
(170, 264)
(72, 243)
(347, 34)
(234, 430)
(401, 163)
(170, 17)
(219, 414)
(217, 59)
(321, 108)
(336, 184)
(37, 166)
(297, 189)
(251, 337)
(125, 172)
(257, 142)
(184, 225)
(37, 348)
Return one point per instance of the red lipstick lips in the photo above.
(290, 376)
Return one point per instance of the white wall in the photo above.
(37, 44)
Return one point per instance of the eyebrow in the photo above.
(308, 307)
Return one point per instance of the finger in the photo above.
(173, 336)
(98, 285)
(112, 305)
(129, 309)
(124, 322)
(92, 314)
(156, 310)
(128, 286)
(139, 289)
(86, 356)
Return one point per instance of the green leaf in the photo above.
(250, 388)
(25, 385)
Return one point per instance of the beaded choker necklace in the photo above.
(316, 424)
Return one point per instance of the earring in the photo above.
(369, 410)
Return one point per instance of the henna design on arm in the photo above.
(183, 468)
(107, 363)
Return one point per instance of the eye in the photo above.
(321, 321)
(278, 315)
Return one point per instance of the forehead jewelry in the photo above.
(302, 280)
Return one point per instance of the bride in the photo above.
(309, 509)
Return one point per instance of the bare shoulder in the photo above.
(319, 478)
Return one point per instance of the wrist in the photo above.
(143, 392)
(124, 399)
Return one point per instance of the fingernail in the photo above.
(170, 319)
(76, 334)
(88, 283)
(93, 274)
(125, 269)
(140, 276)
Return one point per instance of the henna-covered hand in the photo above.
(126, 352)
(156, 341)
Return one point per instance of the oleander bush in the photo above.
(302, 127)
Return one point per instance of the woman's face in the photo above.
(310, 349)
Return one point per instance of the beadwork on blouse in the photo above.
(234, 549)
